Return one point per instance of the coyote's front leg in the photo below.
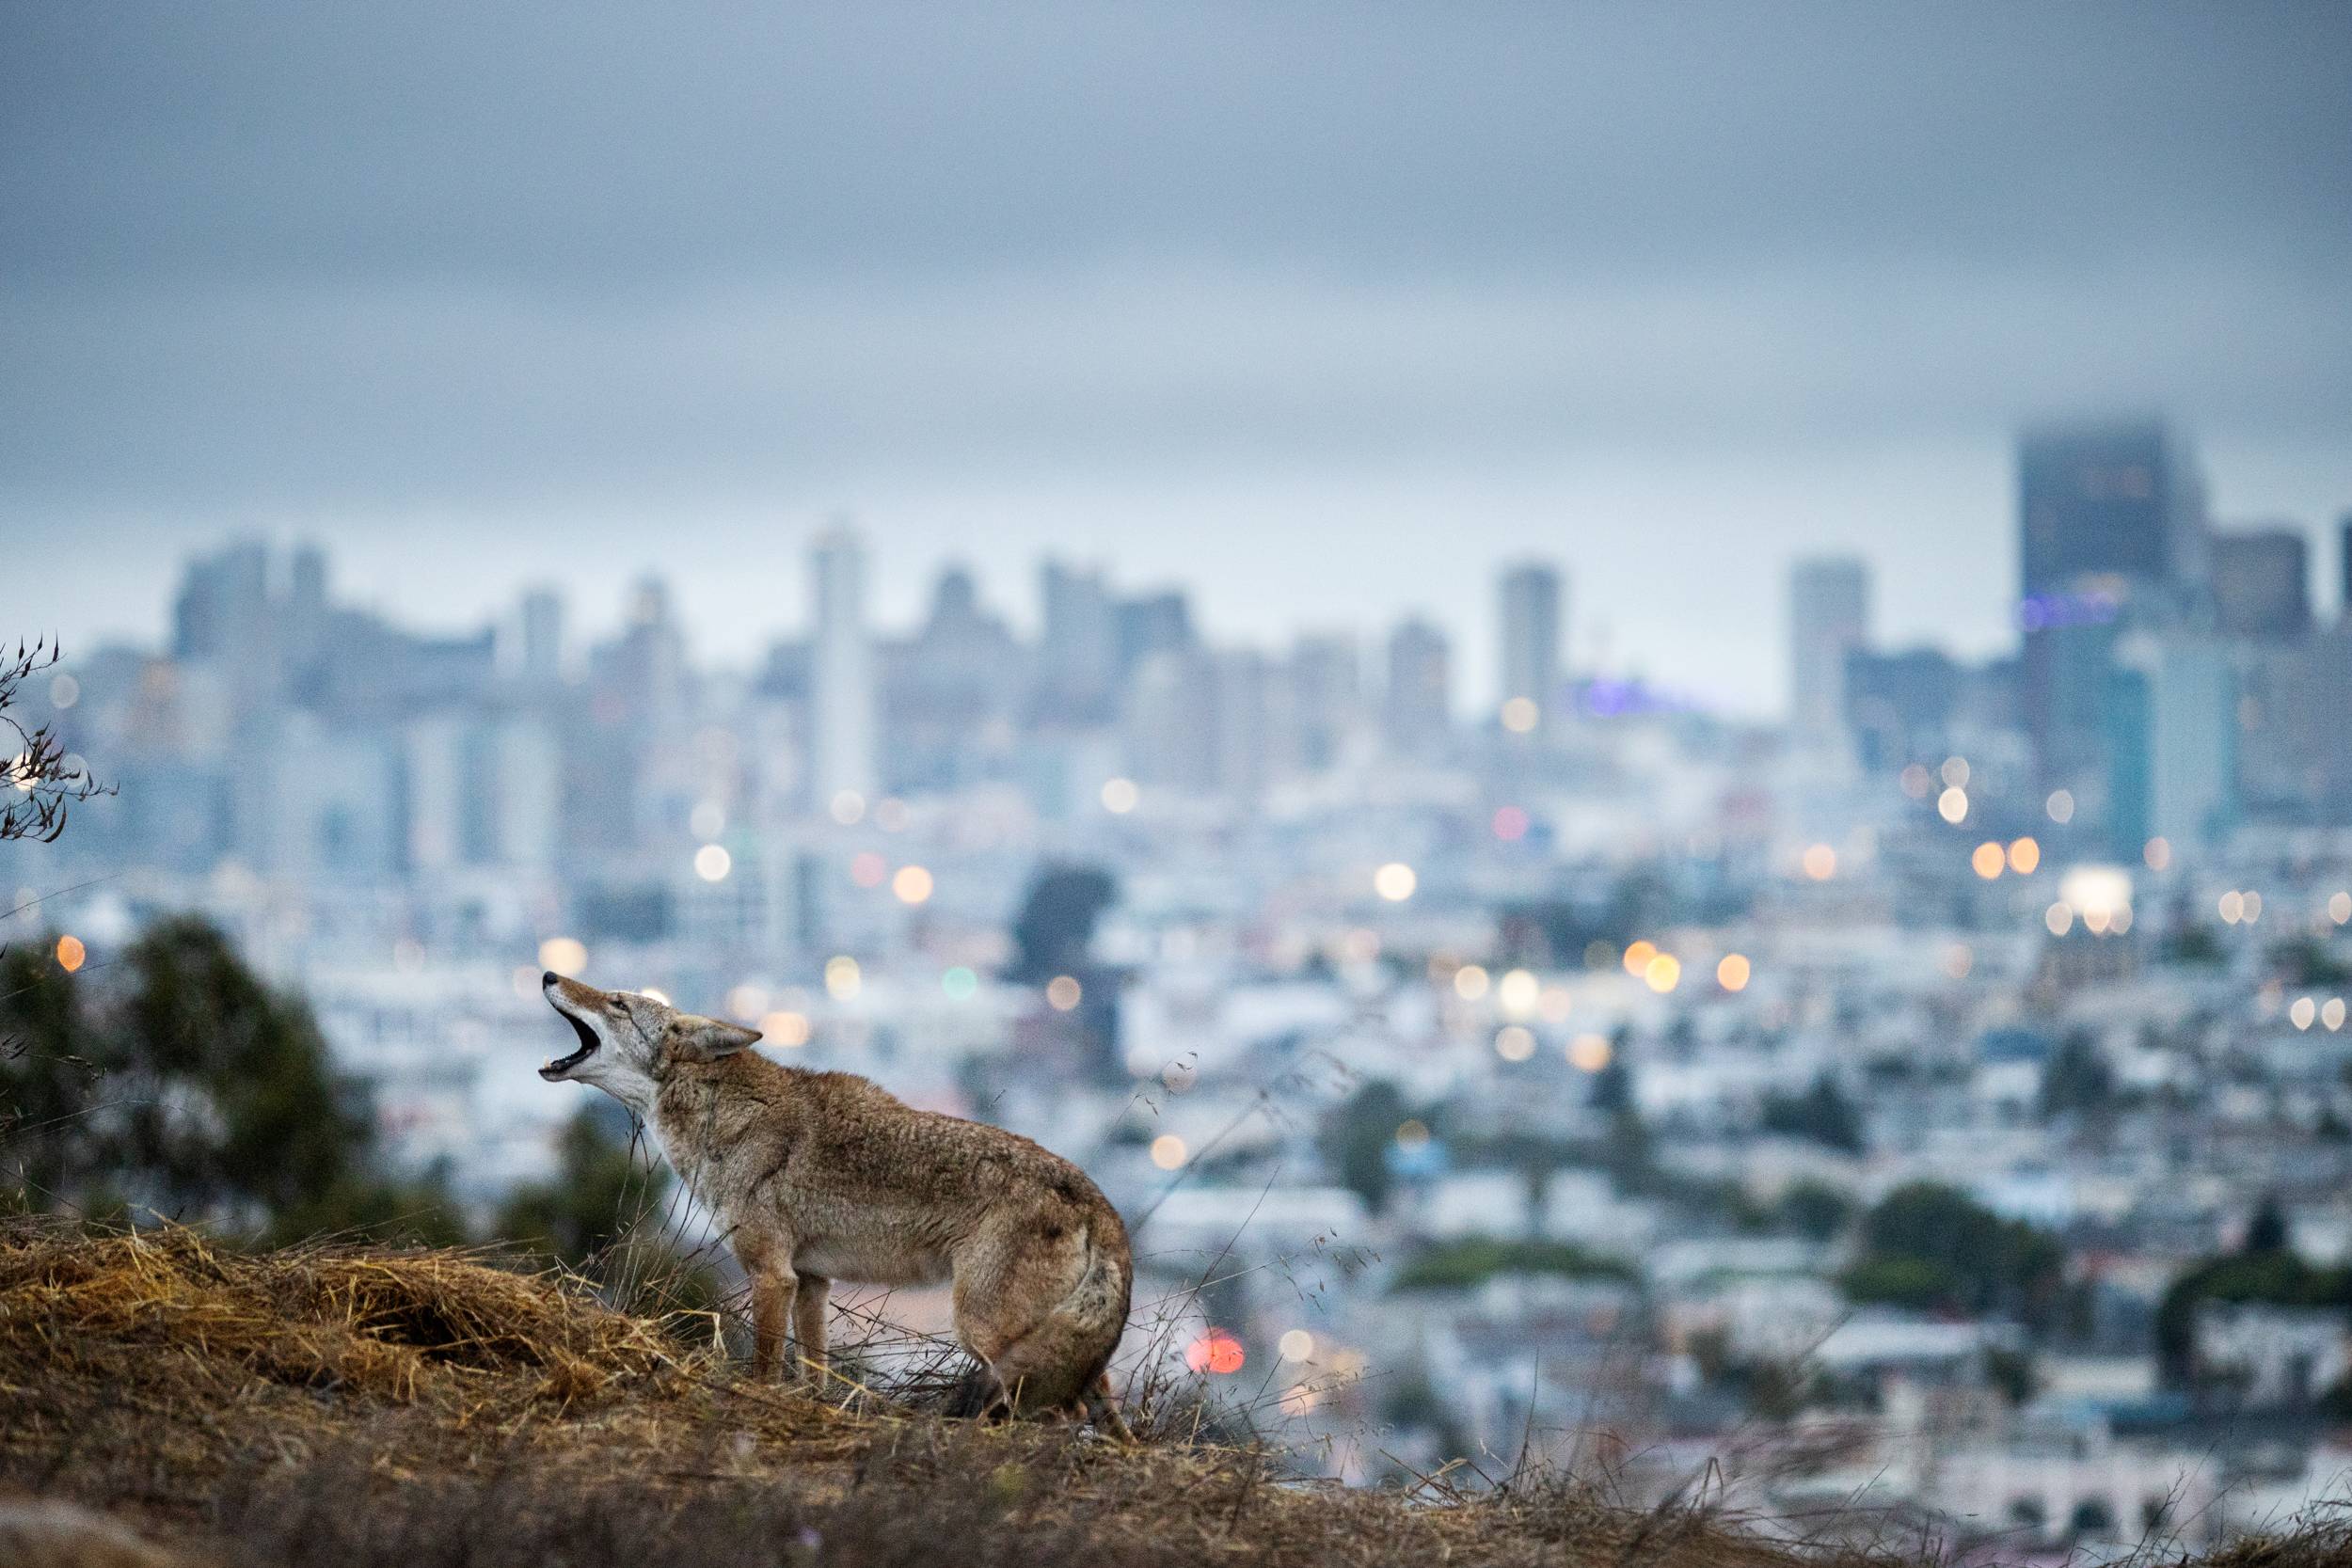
(772, 1291)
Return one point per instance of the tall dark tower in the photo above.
(2344, 566)
(2110, 523)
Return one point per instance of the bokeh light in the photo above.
(2024, 856)
(1168, 1152)
(1589, 1052)
(1520, 715)
(1217, 1352)
(71, 953)
(564, 955)
(1062, 992)
(843, 979)
(1121, 796)
(912, 884)
(788, 1028)
(1662, 973)
(1514, 1042)
(1987, 861)
(1732, 971)
(1820, 862)
(712, 862)
(1952, 805)
(1394, 881)
(1517, 991)
(1469, 982)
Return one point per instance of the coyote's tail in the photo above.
(1060, 1363)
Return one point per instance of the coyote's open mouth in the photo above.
(588, 1043)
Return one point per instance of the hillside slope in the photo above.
(358, 1406)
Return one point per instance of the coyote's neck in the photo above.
(701, 1113)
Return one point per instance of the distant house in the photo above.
(2273, 1357)
(2008, 1070)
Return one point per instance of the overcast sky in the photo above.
(1325, 311)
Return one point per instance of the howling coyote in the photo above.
(822, 1176)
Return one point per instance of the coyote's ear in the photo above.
(706, 1039)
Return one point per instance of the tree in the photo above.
(599, 1193)
(274, 1129)
(2266, 1230)
(1357, 1137)
(1931, 1248)
(1822, 1114)
(194, 1092)
(46, 781)
(48, 1066)
(1056, 927)
(1813, 1210)
(2077, 1078)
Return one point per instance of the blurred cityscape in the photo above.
(1870, 1106)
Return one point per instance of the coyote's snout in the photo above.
(822, 1176)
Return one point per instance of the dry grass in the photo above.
(357, 1406)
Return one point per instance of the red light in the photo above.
(1215, 1352)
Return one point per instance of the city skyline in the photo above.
(898, 588)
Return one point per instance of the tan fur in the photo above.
(816, 1177)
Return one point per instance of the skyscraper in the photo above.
(1829, 617)
(2110, 526)
(1417, 706)
(1529, 600)
(542, 618)
(1078, 654)
(2344, 566)
(2172, 745)
(841, 698)
(2261, 583)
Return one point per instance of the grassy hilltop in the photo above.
(357, 1406)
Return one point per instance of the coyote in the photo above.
(816, 1177)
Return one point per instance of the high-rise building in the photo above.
(2120, 499)
(223, 605)
(1418, 704)
(842, 723)
(1079, 650)
(542, 618)
(2110, 526)
(1529, 600)
(1829, 617)
(1171, 722)
(1323, 697)
(1899, 705)
(1152, 623)
(2344, 567)
(2261, 583)
(2172, 746)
